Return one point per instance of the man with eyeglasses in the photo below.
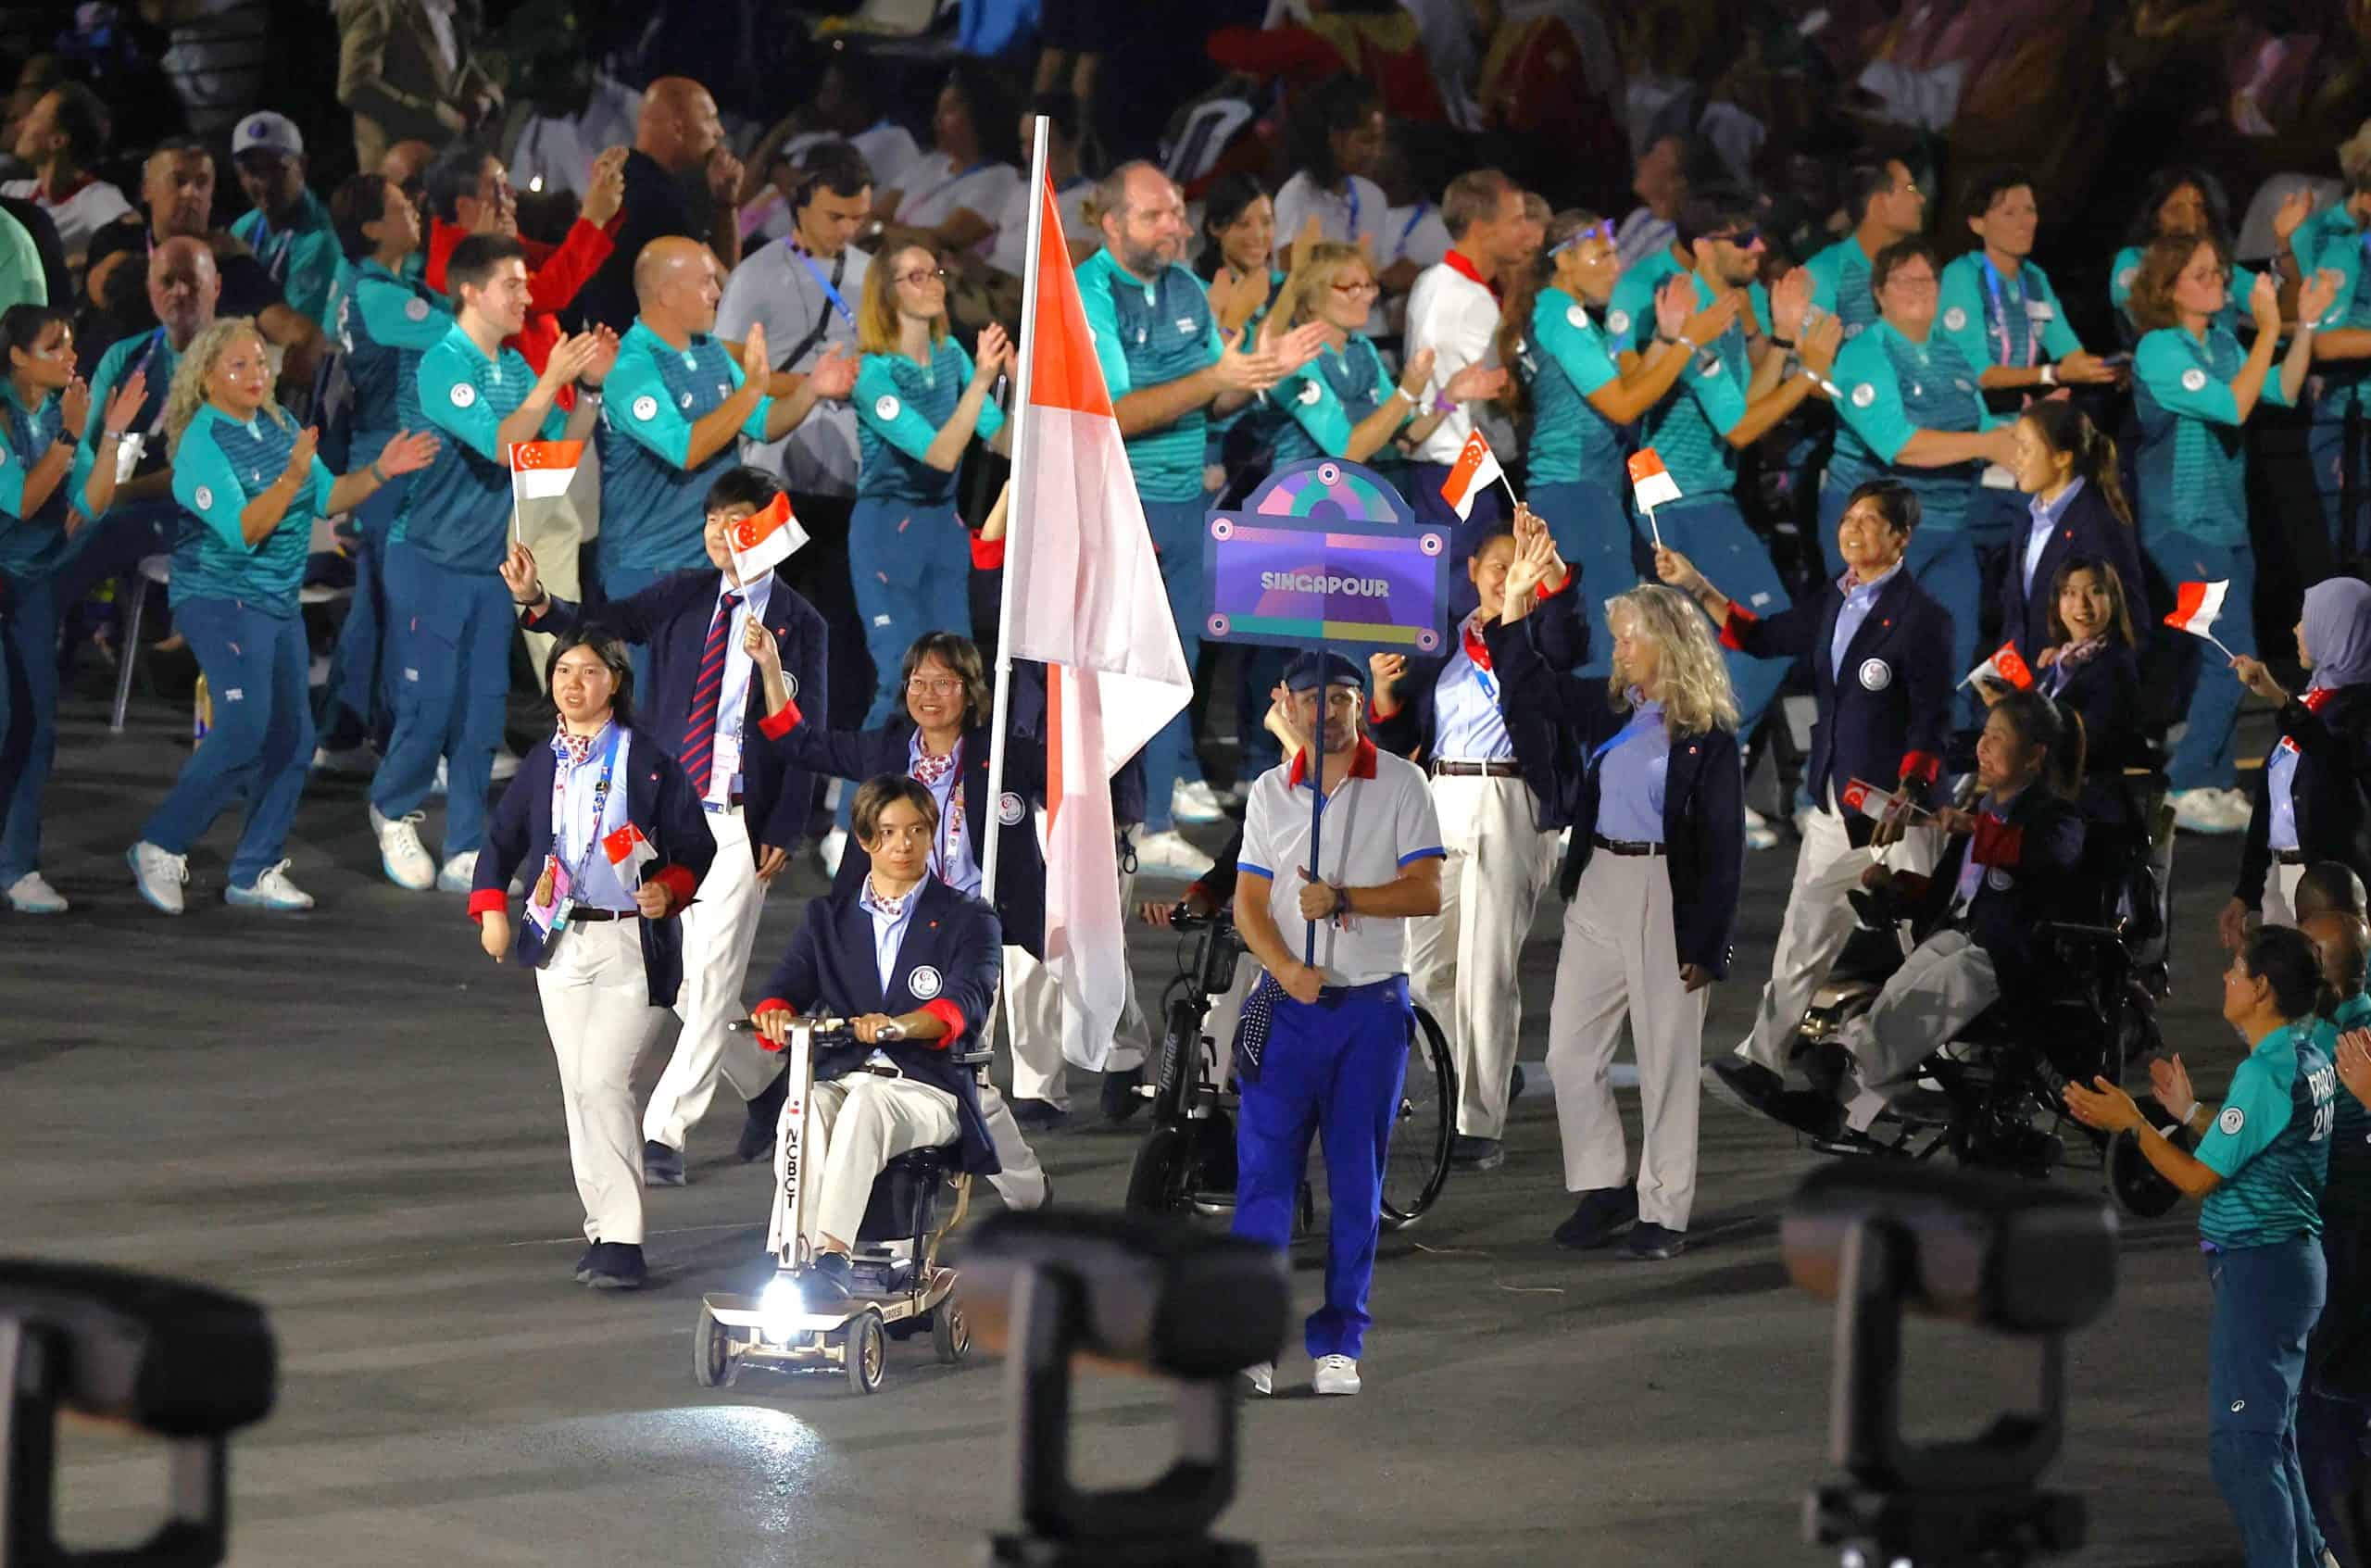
(1168, 370)
(1886, 205)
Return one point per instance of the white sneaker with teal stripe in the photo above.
(30, 894)
(270, 890)
(159, 876)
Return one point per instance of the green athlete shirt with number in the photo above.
(2270, 1142)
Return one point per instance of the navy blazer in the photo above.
(2104, 692)
(659, 800)
(2333, 742)
(1886, 718)
(858, 755)
(1412, 729)
(2088, 528)
(2031, 859)
(1558, 719)
(672, 617)
(948, 964)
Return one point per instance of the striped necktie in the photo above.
(699, 733)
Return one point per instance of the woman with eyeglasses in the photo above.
(919, 400)
(1908, 409)
(2193, 389)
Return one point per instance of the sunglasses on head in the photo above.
(1601, 229)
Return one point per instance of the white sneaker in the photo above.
(1194, 802)
(2206, 811)
(272, 890)
(2242, 803)
(348, 762)
(506, 766)
(405, 858)
(28, 895)
(459, 875)
(159, 876)
(1260, 1378)
(831, 849)
(1334, 1374)
(1758, 835)
(1170, 853)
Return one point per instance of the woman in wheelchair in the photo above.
(2311, 802)
(912, 964)
(2008, 868)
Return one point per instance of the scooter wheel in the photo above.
(711, 1351)
(868, 1353)
(1157, 1181)
(950, 1332)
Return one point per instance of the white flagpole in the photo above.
(1014, 535)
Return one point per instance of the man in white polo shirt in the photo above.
(1325, 1043)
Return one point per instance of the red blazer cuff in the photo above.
(1547, 592)
(679, 881)
(946, 1012)
(489, 901)
(773, 726)
(771, 1004)
(1924, 765)
(1733, 629)
(987, 555)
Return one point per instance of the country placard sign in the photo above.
(1325, 551)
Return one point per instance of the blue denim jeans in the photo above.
(2265, 1300)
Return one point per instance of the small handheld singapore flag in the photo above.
(1477, 470)
(540, 470)
(1871, 802)
(629, 852)
(764, 540)
(2006, 666)
(1648, 480)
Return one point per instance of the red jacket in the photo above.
(554, 274)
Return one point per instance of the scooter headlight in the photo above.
(779, 1306)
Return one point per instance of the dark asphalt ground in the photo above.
(352, 1116)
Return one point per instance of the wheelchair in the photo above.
(1185, 1164)
(1992, 1096)
(896, 1286)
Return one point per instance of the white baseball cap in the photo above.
(268, 132)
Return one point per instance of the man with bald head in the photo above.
(680, 180)
(678, 403)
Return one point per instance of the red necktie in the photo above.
(699, 733)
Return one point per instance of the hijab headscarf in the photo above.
(2337, 632)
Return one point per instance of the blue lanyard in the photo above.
(831, 290)
(1350, 184)
(1413, 219)
(1622, 737)
(2001, 313)
(600, 803)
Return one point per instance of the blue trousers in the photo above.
(912, 568)
(1943, 560)
(2334, 1424)
(1176, 529)
(1334, 1069)
(452, 660)
(28, 719)
(1712, 534)
(1492, 513)
(1594, 534)
(258, 674)
(2208, 691)
(360, 702)
(2265, 1301)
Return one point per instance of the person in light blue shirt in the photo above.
(453, 616)
(48, 488)
(2338, 442)
(288, 228)
(2193, 389)
(250, 489)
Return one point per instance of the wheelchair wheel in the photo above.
(950, 1332)
(1157, 1181)
(711, 1351)
(1417, 1164)
(868, 1350)
(2134, 1182)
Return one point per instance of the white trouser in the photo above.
(2280, 895)
(1819, 918)
(1621, 960)
(856, 1125)
(720, 928)
(1029, 1009)
(1022, 1183)
(597, 1007)
(1462, 962)
(1944, 983)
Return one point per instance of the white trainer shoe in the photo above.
(30, 894)
(405, 858)
(2206, 811)
(1195, 801)
(459, 874)
(272, 890)
(1170, 853)
(1334, 1374)
(506, 766)
(159, 876)
(1758, 835)
(831, 849)
(347, 762)
(1260, 1378)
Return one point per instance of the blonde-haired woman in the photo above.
(245, 475)
(1646, 773)
(1343, 403)
(919, 399)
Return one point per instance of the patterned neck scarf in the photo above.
(891, 908)
(572, 751)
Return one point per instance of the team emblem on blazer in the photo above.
(1011, 809)
(1997, 880)
(789, 680)
(922, 982)
(1875, 674)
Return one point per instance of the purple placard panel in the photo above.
(1325, 552)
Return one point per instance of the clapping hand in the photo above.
(74, 408)
(1816, 348)
(1239, 370)
(2263, 304)
(1387, 669)
(2102, 1105)
(834, 375)
(2169, 1080)
(2295, 208)
(2354, 1064)
(1476, 381)
(603, 358)
(408, 452)
(995, 356)
(1292, 349)
(754, 366)
(123, 402)
(2318, 295)
(300, 457)
(1789, 296)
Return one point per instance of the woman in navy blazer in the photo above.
(2090, 667)
(2067, 468)
(1647, 775)
(616, 843)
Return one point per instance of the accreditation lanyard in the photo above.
(576, 872)
(950, 838)
(1627, 734)
(829, 286)
(2000, 317)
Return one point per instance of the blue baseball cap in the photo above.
(1325, 667)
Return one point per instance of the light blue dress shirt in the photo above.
(1859, 600)
(2045, 523)
(1467, 723)
(1630, 778)
(952, 860)
(889, 922)
(578, 835)
(2280, 785)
